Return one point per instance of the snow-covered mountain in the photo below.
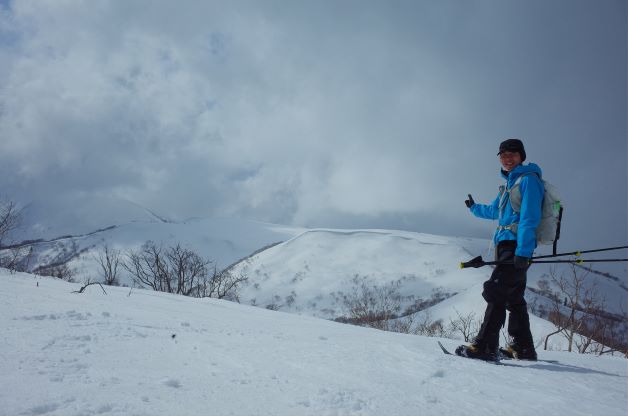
(140, 352)
(313, 271)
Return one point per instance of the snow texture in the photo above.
(138, 352)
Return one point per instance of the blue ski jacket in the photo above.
(529, 217)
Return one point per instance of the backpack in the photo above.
(548, 231)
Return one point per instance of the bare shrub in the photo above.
(431, 328)
(171, 270)
(10, 218)
(438, 295)
(291, 298)
(379, 307)
(182, 271)
(220, 285)
(148, 267)
(88, 283)
(109, 261)
(60, 271)
(16, 259)
(186, 269)
(372, 305)
(403, 325)
(578, 311)
(466, 325)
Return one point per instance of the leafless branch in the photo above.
(87, 284)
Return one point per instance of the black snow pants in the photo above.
(504, 291)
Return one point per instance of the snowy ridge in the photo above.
(78, 215)
(223, 241)
(315, 268)
(149, 353)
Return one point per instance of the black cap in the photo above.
(513, 145)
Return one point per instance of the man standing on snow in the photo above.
(515, 241)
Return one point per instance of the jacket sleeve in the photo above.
(489, 212)
(532, 192)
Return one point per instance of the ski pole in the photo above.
(578, 253)
(579, 261)
(479, 262)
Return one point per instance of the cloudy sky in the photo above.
(317, 113)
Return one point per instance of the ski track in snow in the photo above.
(149, 353)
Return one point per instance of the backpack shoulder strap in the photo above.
(515, 194)
(518, 180)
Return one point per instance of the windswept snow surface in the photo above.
(145, 353)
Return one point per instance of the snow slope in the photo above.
(146, 353)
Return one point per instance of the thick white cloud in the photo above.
(311, 113)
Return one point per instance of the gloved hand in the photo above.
(469, 202)
(521, 262)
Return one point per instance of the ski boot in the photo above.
(478, 351)
(519, 352)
